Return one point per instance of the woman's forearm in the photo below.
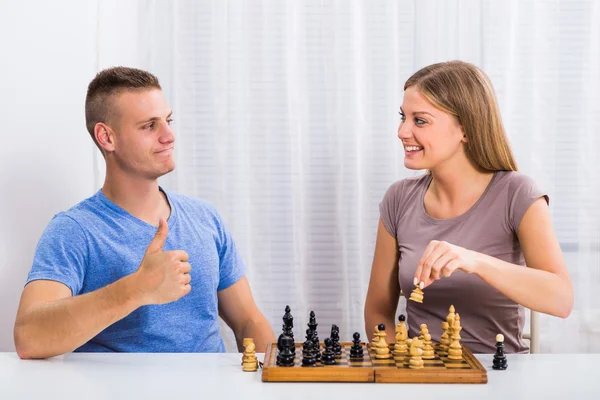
(535, 289)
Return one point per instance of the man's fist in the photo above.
(163, 277)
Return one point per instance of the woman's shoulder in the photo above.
(517, 184)
(406, 187)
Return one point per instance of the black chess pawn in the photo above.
(328, 357)
(356, 351)
(285, 358)
(308, 356)
(335, 339)
(500, 361)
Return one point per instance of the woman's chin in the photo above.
(409, 164)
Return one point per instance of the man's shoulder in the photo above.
(79, 214)
(194, 207)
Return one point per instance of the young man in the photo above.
(104, 278)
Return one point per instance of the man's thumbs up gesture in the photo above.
(163, 277)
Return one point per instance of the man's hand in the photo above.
(162, 277)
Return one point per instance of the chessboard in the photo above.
(370, 369)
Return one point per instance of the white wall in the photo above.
(47, 58)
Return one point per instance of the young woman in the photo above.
(471, 232)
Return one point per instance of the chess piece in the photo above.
(500, 361)
(249, 360)
(286, 356)
(288, 324)
(423, 331)
(428, 353)
(417, 294)
(400, 347)
(312, 336)
(308, 356)
(356, 350)
(328, 356)
(335, 340)
(312, 324)
(382, 349)
(445, 339)
(416, 362)
(245, 343)
(450, 317)
(455, 350)
(375, 336)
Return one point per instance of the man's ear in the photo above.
(105, 136)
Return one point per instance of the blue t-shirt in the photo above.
(96, 243)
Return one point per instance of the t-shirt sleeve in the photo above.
(231, 264)
(524, 192)
(61, 254)
(388, 208)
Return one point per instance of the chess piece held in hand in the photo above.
(417, 293)
(500, 358)
(249, 360)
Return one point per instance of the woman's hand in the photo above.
(442, 259)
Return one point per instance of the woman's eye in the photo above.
(420, 121)
(402, 116)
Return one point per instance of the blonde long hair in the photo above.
(463, 90)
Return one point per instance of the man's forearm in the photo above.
(260, 330)
(61, 326)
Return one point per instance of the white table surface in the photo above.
(219, 376)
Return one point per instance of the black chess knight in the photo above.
(500, 358)
(335, 339)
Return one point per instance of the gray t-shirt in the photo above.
(489, 227)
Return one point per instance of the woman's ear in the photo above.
(464, 135)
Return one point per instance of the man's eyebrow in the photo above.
(153, 119)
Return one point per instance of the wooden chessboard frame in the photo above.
(468, 370)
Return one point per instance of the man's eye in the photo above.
(170, 121)
(149, 126)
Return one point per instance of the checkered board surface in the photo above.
(371, 369)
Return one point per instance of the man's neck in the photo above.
(141, 198)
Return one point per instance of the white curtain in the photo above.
(286, 115)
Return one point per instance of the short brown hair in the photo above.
(463, 90)
(107, 84)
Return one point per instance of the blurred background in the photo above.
(286, 116)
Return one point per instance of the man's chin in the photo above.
(164, 171)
